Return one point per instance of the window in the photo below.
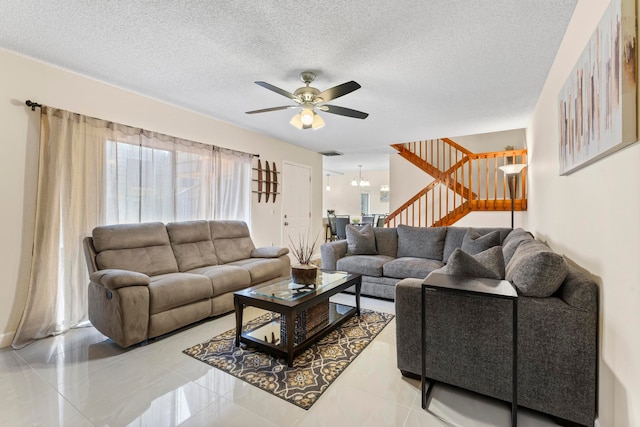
(364, 203)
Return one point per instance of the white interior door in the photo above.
(296, 202)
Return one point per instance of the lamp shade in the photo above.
(317, 121)
(296, 122)
(512, 169)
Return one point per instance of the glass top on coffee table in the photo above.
(288, 291)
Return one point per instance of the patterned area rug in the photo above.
(313, 370)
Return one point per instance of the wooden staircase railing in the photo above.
(462, 182)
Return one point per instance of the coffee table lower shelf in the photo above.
(267, 337)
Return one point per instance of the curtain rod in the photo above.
(35, 105)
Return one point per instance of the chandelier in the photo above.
(362, 182)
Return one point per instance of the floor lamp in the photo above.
(512, 172)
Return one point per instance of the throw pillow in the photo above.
(473, 242)
(421, 242)
(361, 241)
(508, 249)
(487, 264)
(536, 270)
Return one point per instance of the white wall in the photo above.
(493, 141)
(22, 78)
(593, 217)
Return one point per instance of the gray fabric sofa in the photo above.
(150, 279)
(469, 338)
(398, 253)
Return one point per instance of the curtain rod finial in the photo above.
(32, 104)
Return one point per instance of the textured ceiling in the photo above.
(428, 68)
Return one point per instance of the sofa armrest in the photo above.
(114, 278)
(331, 252)
(269, 252)
(408, 321)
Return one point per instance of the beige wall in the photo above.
(344, 198)
(22, 78)
(593, 217)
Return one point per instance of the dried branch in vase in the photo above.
(303, 251)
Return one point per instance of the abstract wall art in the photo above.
(597, 104)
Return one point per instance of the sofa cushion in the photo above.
(225, 278)
(512, 243)
(487, 264)
(410, 267)
(144, 248)
(192, 245)
(368, 265)
(474, 242)
(260, 269)
(455, 236)
(231, 240)
(421, 242)
(361, 241)
(173, 290)
(536, 270)
(386, 241)
(517, 232)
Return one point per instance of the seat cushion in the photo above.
(173, 290)
(410, 267)
(368, 265)
(260, 269)
(192, 245)
(361, 241)
(225, 278)
(421, 242)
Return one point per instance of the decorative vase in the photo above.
(304, 274)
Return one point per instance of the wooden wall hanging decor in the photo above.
(267, 181)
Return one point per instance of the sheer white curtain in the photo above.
(94, 172)
(232, 199)
(68, 203)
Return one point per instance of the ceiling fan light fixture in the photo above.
(317, 121)
(296, 122)
(307, 116)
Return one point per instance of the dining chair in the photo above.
(331, 219)
(367, 219)
(341, 226)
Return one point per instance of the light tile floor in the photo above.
(83, 379)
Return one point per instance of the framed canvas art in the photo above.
(597, 104)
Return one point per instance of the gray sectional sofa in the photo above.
(150, 279)
(468, 338)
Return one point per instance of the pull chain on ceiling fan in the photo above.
(309, 99)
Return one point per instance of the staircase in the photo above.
(462, 182)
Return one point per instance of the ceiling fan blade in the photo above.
(334, 109)
(338, 91)
(266, 110)
(278, 90)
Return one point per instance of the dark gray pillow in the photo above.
(488, 264)
(473, 242)
(536, 270)
(421, 242)
(361, 241)
(509, 248)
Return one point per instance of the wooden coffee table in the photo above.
(307, 313)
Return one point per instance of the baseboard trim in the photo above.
(6, 339)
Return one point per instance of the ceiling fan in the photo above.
(309, 99)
